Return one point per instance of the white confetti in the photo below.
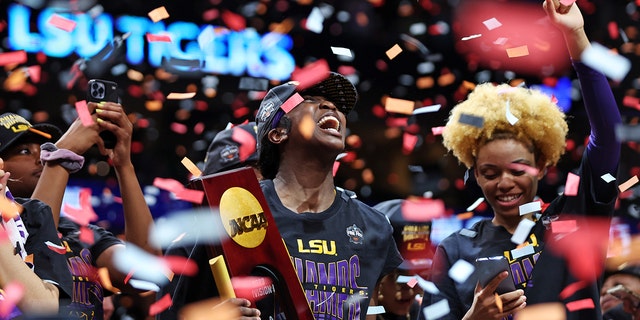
(492, 23)
(530, 207)
(144, 265)
(474, 205)
(427, 286)
(404, 279)
(461, 270)
(427, 109)
(608, 177)
(144, 285)
(510, 117)
(340, 51)
(521, 252)
(522, 231)
(604, 60)
(473, 36)
(376, 310)
(202, 226)
(315, 20)
(436, 310)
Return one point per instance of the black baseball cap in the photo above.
(231, 149)
(335, 88)
(14, 127)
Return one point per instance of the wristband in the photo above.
(65, 158)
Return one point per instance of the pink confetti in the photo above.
(34, 73)
(336, 166)
(13, 293)
(412, 283)
(567, 2)
(409, 142)
(158, 37)
(13, 57)
(422, 209)
(162, 304)
(437, 130)
(179, 128)
(234, 21)
(292, 102)
(580, 304)
(311, 74)
(61, 22)
(170, 185)
(571, 187)
(563, 226)
(181, 265)
(247, 143)
(569, 290)
(85, 213)
(83, 113)
(86, 235)
(193, 196)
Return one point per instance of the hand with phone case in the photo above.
(99, 90)
(493, 273)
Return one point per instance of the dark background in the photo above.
(376, 168)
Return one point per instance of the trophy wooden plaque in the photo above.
(252, 245)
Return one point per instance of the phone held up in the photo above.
(103, 90)
(489, 267)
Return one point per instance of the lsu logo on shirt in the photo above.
(317, 246)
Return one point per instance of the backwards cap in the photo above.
(335, 88)
(14, 127)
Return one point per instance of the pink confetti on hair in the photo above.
(580, 304)
(13, 293)
(13, 57)
(61, 22)
(311, 74)
(83, 113)
(571, 187)
(158, 37)
(162, 304)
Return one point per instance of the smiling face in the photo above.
(327, 126)
(505, 185)
(22, 160)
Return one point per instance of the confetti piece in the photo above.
(83, 113)
(193, 196)
(409, 142)
(247, 143)
(162, 304)
(9, 209)
(412, 282)
(141, 265)
(12, 294)
(206, 37)
(626, 133)
(315, 21)
(59, 249)
(158, 14)
(498, 301)
(186, 228)
(422, 209)
(234, 21)
(399, 106)
(427, 286)
(376, 310)
(628, 184)
(34, 73)
(437, 130)
(158, 37)
(608, 177)
(464, 216)
(340, 51)
(522, 231)
(492, 23)
(474, 205)
(178, 128)
(473, 36)
(85, 213)
(510, 117)
(547, 311)
(144, 285)
(181, 96)
(516, 52)
(313, 73)
(436, 310)
(427, 109)
(181, 265)
(606, 61)
(405, 279)
(569, 290)
(571, 187)
(580, 304)
(460, 271)
(521, 252)
(86, 235)
(307, 126)
(394, 52)
(187, 163)
(529, 207)
(563, 226)
(471, 120)
(61, 22)
(292, 102)
(16, 57)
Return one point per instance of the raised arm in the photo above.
(137, 216)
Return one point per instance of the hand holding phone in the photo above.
(102, 90)
(488, 268)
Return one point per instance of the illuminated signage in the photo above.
(224, 52)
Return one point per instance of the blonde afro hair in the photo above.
(540, 123)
